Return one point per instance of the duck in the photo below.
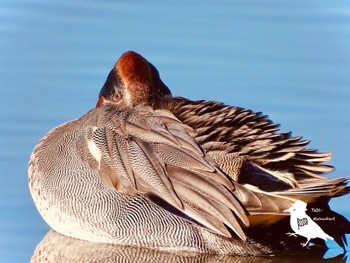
(144, 168)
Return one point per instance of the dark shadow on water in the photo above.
(58, 248)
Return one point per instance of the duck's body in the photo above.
(147, 169)
(76, 197)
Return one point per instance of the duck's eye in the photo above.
(117, 96)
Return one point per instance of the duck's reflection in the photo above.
(58, 248)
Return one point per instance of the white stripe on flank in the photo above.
(95, 151)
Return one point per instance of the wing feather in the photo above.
(152, 152)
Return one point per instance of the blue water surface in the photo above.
(288, 59)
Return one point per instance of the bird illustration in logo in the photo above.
(303, 225)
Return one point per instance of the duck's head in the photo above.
(133, 81)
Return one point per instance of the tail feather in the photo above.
(311, 190)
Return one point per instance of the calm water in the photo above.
(289, 59)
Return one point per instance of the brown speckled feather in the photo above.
(239, 139)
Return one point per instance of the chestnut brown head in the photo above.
(133, 81)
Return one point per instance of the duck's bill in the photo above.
(100, 102)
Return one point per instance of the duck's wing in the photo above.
(142, 151)
(248, 146)
(145, 151)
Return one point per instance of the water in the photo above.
(289, 59)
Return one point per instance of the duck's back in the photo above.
(248, 146)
